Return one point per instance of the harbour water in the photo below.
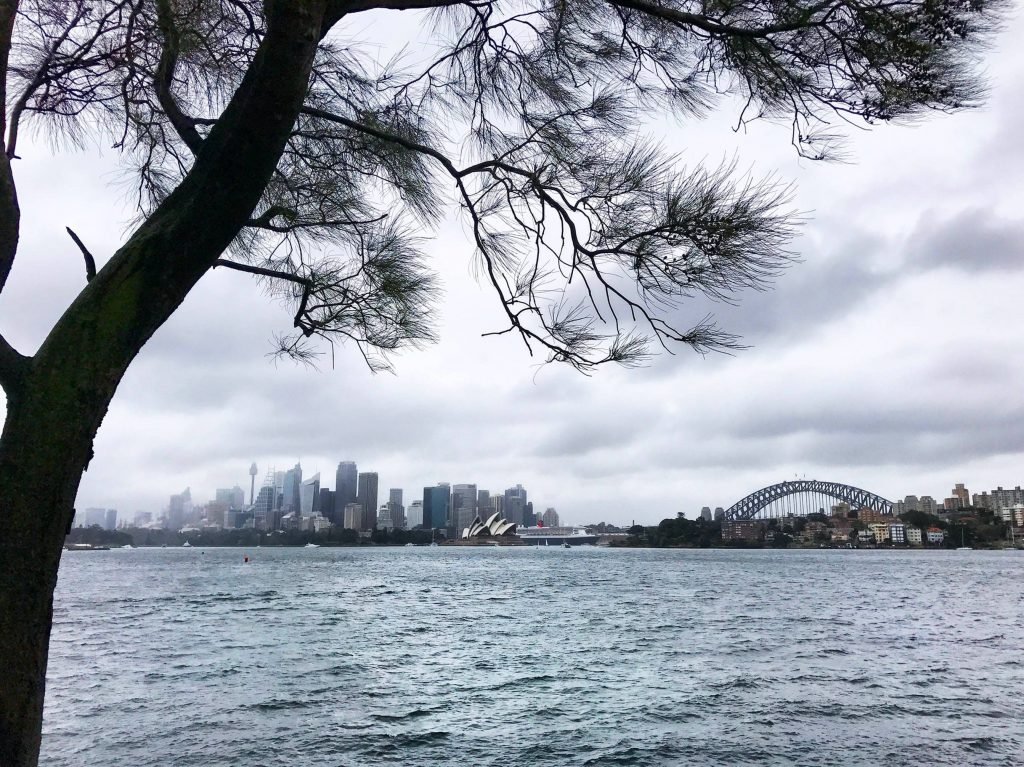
(536, 656)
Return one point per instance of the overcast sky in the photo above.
(890, 358)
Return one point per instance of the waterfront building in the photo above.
(550, 517)
(897, 532)
(935, 535)
(414, 515)
(914, 536)
(366, 496)
(880, 531)
(346, 482)
(464, 511)
(436, 501)
(741, 530)
(870, 516)
(515, 504)
(308, 492)
(353, 519)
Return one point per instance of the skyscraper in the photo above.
(395, 507)
(436, 502)
(367, 498)
(353, 516)
(179, 508)
(345, 485)
(483, 504)
(463, 507)
(515, 504)
(325, 502)
(110, 522)
(308, 492)
(414, 515)
(550, 517)
(291, 492)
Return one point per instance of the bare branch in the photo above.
(90, 262)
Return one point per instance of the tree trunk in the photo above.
(57, 399)
(41, 470)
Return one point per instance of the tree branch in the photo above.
(184, 125)
(709, 25)
(90, 262)
(305, 282)
(12, 367)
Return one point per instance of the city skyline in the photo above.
(886, 358)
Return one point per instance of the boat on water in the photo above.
(566, 545)
(311, 546)
(962, 547)
(555, 536)
(186, 545)
(85, 547)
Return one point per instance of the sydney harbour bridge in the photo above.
(802, 497)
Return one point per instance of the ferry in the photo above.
(556, 536)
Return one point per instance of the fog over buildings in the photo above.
(888, 357)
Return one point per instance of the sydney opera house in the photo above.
(494, 530)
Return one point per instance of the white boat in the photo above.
(312, 546)
(187, 545)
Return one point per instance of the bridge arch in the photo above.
(752, 505)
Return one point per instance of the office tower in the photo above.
(97, 517)
(325, 503)
(414, 515)
(179, 508)
(515, 504)
(529, 518)
(143, 518)
(308, 492)
(436, 503)
(719, 514)
(345, 485)
(483, 504)
(233, 498)
(291, 501)
(463, 507)
(550, 517)
(263, 508)
(353, 516)
(705, 513)
(110, 521)
(367, 498)
(384, 519)
(395, 507)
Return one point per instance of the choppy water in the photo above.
(505, 657)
